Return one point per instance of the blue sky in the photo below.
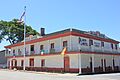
(54, 15)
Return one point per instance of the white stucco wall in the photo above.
(74, 60)
(85, 60)
(57, 61)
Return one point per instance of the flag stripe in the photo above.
(22, 16)
(64, 51)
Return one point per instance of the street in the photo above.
(27, 75)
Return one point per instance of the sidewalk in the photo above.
(49, 73)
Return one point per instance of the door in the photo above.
(91, 65)
(66, 63)
(102, 64)
(31, 61)
(14, 63)
(43, 65)
(105, 64)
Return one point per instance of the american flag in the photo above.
(22, 16)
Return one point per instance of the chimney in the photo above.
(42, 31)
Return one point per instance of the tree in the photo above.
(13, 31)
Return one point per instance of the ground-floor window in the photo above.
(91, 64)
(31, 62)
(102, 62)
(22, 63)
(15, 63)
(12, 63)
(42, 62)
(113, 63)
(105, 63)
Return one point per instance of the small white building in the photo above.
(87, 52)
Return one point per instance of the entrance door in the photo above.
(105, 64)
(91, 64)
(14, 63)
(66, 63)
(102, 64)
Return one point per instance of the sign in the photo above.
(97, 44)
(83, 42)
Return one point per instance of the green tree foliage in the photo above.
(13, 31)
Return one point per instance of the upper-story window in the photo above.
(116, 46)
(102, 44)
(19, 52)
(90, 42)
(96, 44)
(79, 40)
(41, 47)
(65, 44)
(52, 45)
(13, 50)
(82, 41)
(32, 47)
(112, 46)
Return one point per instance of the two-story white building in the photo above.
(87, 52)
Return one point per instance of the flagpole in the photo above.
(24, 35)
(79, 60)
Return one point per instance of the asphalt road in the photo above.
(20, 75)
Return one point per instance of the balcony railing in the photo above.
(32, 52)
(95, 49)
(82, 48)
(52, 50)
(42, 52)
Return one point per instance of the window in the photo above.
(12, 63)
(14, 51)
(26, 52)
(41, 47)
(79, 40)
(102, 63)
(113, 63)
(90, 42)
(15, 63)
(112, 46)
(42, 62)
(31, 62)
(116, 46)
(102, 44)
(83, 42)
(105, 63)
(32, 47)
(64, 43)
(22, 63)
(52, 45)
(19, 52)
(96, 44)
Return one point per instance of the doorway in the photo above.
(66, 63)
